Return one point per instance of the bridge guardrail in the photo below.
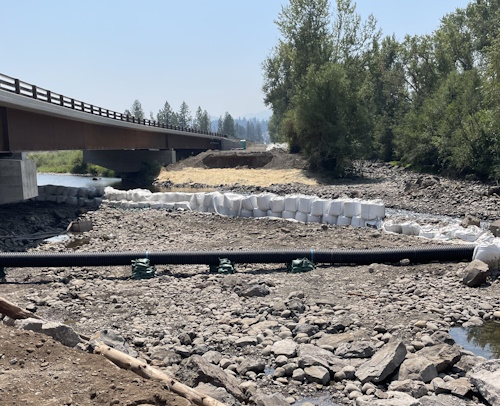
(21, 88)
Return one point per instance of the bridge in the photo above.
(37, 119)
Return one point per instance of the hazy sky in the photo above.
(205, 52)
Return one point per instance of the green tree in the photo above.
(165, 115)
(306, 40)
(228, 125)
(327, 121)
(136, 110)
(198, 119)
(184, 115)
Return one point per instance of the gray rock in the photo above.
(442, 355)
(495, 228)
(251, 364)
(334, 340)
(298, 375)
(486, 378)
(417, 389)
(195, 369)
(255, 291)
(357, 349)
(296, 305)
(383, 363)
(218, 393)
(317, 374)
(458, 387)
(213, 357)
(308, 329)
(471, 220)
(288, 348)
(276, 399)
(475, 273)
(442, 337)
(247, 340)
(58, 331)
(311, 355)
(116, 341)
(393, 399)
(444, 400)
(418, 368)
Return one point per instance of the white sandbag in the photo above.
(51, 198)
(197, 199)
(140, 205)
(288, 214)
(168, 205)
(202, 209)
(319, 206)
(300, 216)
(278, 204)
(249, 202)
(377, 224)
(313, 219)
(182, 196)
(50, 189)
(274, 214)
(218, 204)
(182, 205)
(73, 200)
(336, 207)
(156, 197)
(427, 232)
(208, 200)
(246, 213)
(343, 221)
(264, 201)
(372, 210)
(352, 208)
(61, 199)
(232, 203)
(291, 203)
(329, 219)
(156, 205)
(304, 204)
(449, 230)
(469, 234)
(410, 228)
(357, 221)
(259, 213)
(61, 191)
(392, 227)
(489, 254)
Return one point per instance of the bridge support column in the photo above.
(124, 161)
(17, 179)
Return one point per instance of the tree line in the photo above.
(250, 129)
(339, 90)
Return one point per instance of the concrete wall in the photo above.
(17, 180)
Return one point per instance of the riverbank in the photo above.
(263, 334)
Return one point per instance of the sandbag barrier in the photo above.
(89, 197)
(340, 257)
(303, 208)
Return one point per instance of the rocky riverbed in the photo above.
(365, 335)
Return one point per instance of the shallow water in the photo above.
(483, 340)
(75, 180)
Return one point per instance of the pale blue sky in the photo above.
(207, 53)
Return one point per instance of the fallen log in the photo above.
(143, 369)
(14, 312)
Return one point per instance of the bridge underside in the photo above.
(23, 131)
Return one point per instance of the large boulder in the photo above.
(443, 356)
(58, 331)
(196, 369)
(475, 273)
(288, 348)
(417, 368)
(383, 363)
(486, 378)
(310, 355)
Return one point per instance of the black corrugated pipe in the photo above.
(360, 257)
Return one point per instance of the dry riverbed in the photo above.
(262, 335)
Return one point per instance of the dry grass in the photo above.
(255, 177)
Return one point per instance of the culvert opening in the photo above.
(233, 160)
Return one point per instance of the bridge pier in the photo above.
(125, 161)
(17, 178)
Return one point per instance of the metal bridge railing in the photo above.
(19, 87)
